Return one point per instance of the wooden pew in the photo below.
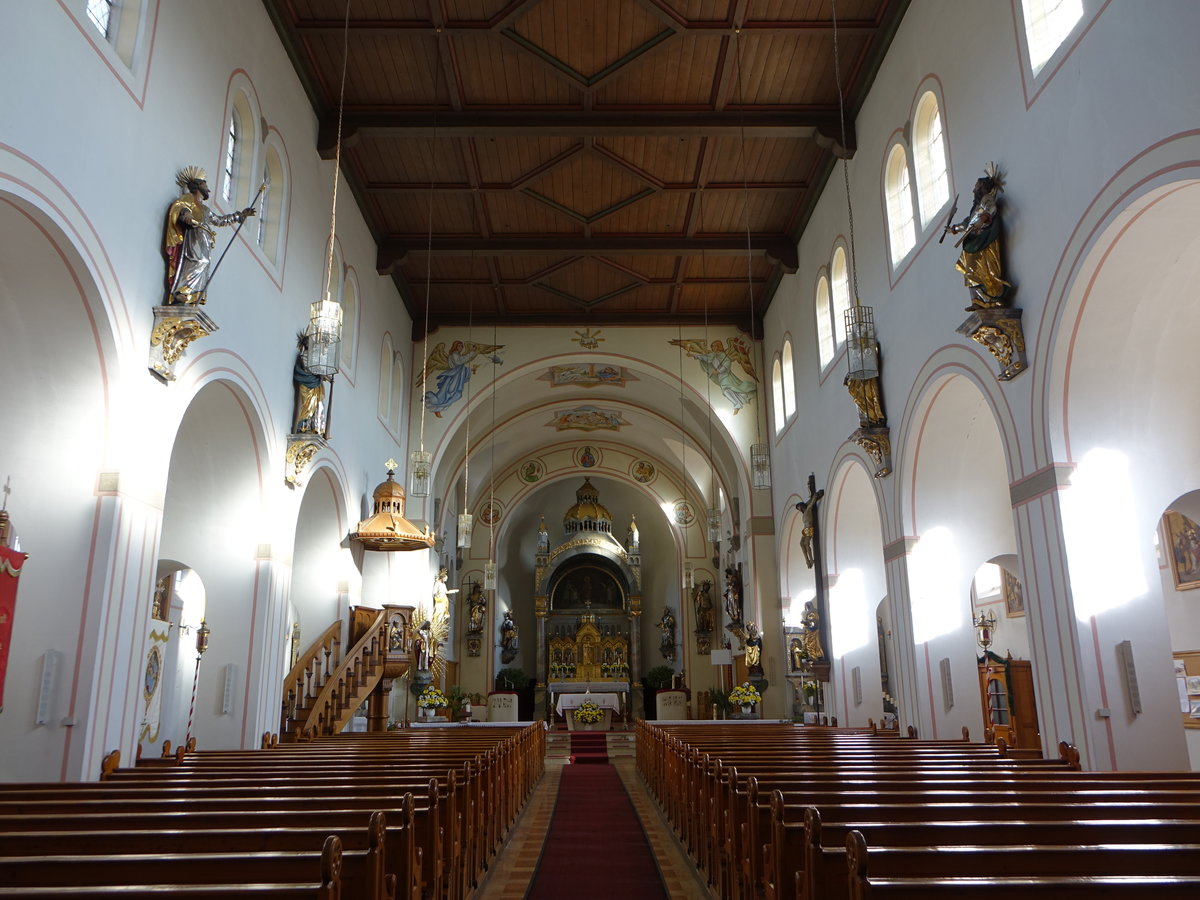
(327, 886)
(1059, 876)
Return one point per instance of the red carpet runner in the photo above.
(595, 848)
(589, 747)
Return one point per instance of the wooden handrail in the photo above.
(310, 672)
(328, 704)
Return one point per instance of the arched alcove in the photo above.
(956, 497)
(213, 517)
(55, 368)
(1120, 413)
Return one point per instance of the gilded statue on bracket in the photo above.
(189, 237)
(979, 259)
(312, 397)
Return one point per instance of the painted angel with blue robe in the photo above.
(717, 359)
(454, 368)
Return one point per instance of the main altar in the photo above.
(587, 598)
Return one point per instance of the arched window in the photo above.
(929, 152)
(238, 164)
(841, 295)
(825, 340)
(233, 140)
(777, 395)
(902, 235)
(349, 322)
(99, 13)
(789, 381)
(271, 214)
(397, 392)
(1047, 25)
(386, 354)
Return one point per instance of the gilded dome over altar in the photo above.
(588, 513)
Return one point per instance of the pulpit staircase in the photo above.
(324, 688)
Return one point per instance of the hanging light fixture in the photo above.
(323, 337)
(760, 453)
(466, 521)
(712, 515)
(862, 341)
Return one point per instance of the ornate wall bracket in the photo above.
(175, 327)
(999, 330)
(877, 442)
(473, 646)
(300, 452)
(703, 643)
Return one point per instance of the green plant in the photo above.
(511, 678)
(659, 678)
(720, 702)
(456, 700)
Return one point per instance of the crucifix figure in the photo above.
(808, 509)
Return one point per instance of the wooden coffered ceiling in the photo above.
(586, 161)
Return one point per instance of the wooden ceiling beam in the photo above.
(776, 248)
(412, 187)
(422, 27)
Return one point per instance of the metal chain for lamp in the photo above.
(466, 521)
(323, 337)
(760, 454)
(489, 568)
(421, 460)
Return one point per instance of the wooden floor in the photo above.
(513, 869)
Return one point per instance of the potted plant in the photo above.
(587, 716)
(746, 696)
(656, 679)
(431, 700)
(458, 703)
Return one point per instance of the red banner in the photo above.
(11, 563)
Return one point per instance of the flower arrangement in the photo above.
(745, 694)
(432, 698)
(588, 713)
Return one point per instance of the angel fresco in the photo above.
(454, 369)
(717, 360)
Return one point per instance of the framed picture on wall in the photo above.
(1014, 600)
(1183, 538)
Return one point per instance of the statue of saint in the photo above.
(733, 596)
(979, 260)
(476, 609)
(509, 640)
(189, 237)
(753, 649)
(311, 406)
(441, 597)
(810, 619)
(702, 600)
(667, 626)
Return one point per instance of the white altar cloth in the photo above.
(571, 701)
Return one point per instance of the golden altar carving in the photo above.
(589, 656)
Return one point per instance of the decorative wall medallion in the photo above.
(153, 672)
(531, 471)
(587, 375)
(587, 339)
(684, 514)
(643, 471)
(587, 418)
(490, 512)
(587, 456)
